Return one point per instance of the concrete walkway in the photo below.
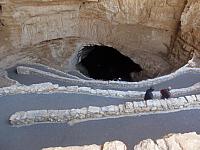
(130, 130)
(176, 83)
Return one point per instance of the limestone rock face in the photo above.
(90, 147)
(188, 141)
(188, 34)
(53, 31)
(115, 145)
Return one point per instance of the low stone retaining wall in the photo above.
(78, 74)
(108, 84)
(92, 112)
(50, 69)
(47, 88)
(187, 141)
(34, 88)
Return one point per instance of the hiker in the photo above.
(165, 93)
(149, 94)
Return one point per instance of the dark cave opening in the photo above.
(106, 63)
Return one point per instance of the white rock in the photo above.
(182, 100)
(198, 97)
(67, 115)
(61, 114)
(176, 102)
(112, 93)
(141, 104)
(157, 103)
(129, 105)
(101, 92)
(23, 70)
(62, 88)
(150, 103)
(188, 141)
(190, 99)
(121, 94)
(129, 108)
(115, 145)
(170, 103)
(161, 144)
(194, 97)
(121, 108)
(136, 104)
(111, 110)
(146, 145)
(17, 116)
(74, 113)
(72, 88)
(89, 147)
(94, 110)
(83, 111)
(40, 113)
(163, 104)
(84, 89)
(92, 91)
(30, 114)
(104, 109)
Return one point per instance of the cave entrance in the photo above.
(106, 63)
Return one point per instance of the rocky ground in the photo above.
(187, 141)
(5, 81)
(158, 35)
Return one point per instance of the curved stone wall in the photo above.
(54, 88)
(111, 84)
(95, 87)
(93, 112)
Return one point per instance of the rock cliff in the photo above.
(154, 33)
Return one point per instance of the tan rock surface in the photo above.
(187, 141)
(90, 147)
(116, 145)
(53, 31)
(188, 34)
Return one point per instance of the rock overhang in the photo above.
(146, 31)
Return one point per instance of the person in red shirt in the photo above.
(165, 93)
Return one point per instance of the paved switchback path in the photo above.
(181, 81)
(130, 130)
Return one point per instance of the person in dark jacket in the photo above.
(165, 93)
(149, 94)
